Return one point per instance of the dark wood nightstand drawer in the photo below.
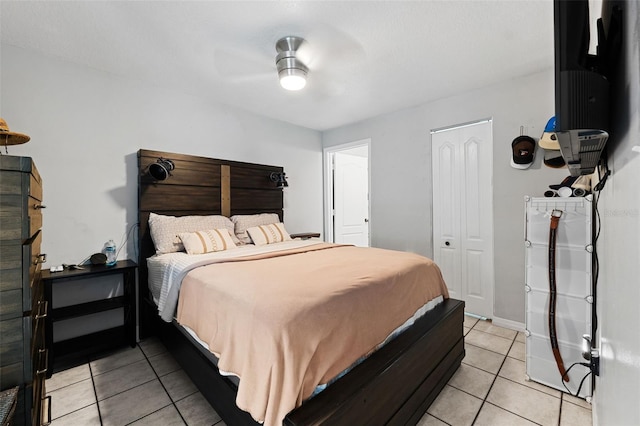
(89, 310)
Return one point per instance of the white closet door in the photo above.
(463, 213)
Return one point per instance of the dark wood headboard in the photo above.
(199, 186)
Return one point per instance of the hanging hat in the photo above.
(554, 159)
(552, 156)
(551, 125)
(566, 182)
(523, 149)
(549, 140)
(583, 182)
(7, 137)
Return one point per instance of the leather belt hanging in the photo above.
(553, 228)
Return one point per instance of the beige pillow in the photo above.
(268, 234)
(200, 242)
(165, 229)
(243, 222)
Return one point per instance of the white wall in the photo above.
(617, 389)
(86, 127)
(401, 192)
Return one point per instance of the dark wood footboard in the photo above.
(395, 385)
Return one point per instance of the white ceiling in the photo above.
(368, 58)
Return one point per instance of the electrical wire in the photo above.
(602, 180)
(596, 260)
(584, 364)
(125, 237)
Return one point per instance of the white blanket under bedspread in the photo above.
(166, 271)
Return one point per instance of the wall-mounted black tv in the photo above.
(581, 88)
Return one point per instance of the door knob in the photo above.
(366, 220)
(447, 243)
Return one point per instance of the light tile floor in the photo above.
(490, 388)
(145, 386)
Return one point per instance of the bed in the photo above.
(394, 385)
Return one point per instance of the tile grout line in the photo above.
(494, 381)
(95, 392)
(162, 384)
(561, 398)
(71, 384)
(174, 403)
(126, 390)
(113, 370)
(435, 417)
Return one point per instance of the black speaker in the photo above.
(98, 259)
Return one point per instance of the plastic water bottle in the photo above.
(110, 251)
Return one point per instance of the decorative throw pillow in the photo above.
(200, 242)
(165, 229)
(242, 222)
(268, 234)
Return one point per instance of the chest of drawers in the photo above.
(23, 356)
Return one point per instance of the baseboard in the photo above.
(512, 325)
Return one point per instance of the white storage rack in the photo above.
(574, 300)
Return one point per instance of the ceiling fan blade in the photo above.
(327, 48)
(235, 65)
(250, 78)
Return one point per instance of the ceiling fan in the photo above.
(325, 56)
(292, 70)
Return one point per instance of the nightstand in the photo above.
(306, 235)
(89, 310)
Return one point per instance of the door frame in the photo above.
(328, 183)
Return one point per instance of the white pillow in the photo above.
(243, 222)
(200, 242)
(268, 234)
(165, 229)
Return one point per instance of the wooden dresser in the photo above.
(23, 357)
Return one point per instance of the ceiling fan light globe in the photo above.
(292, 79)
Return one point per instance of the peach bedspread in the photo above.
(285, 322)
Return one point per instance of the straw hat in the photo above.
(7, 137)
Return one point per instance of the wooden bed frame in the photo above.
(395, 385)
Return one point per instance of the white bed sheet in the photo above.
(166, 271)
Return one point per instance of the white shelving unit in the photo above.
(574, 300)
